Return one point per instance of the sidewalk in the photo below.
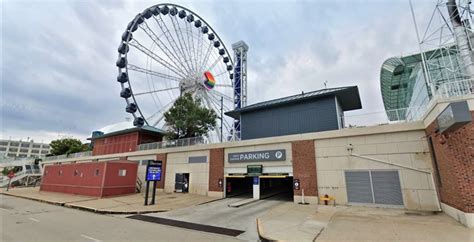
(294, 222)
(33, 193)
(128, 204)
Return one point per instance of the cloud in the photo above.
(58, 59)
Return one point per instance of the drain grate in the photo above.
(187, 225)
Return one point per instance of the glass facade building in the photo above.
(407, 86)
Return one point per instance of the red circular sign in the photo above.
(11, 175)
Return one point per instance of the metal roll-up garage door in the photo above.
(358, 187)
(379, 187)
(387, 187)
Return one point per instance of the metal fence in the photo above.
(455, 89)
(72, 155)
(175, 143)
(385, 117)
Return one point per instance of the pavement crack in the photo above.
(320, 231)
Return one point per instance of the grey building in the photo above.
(315, 111)
(22, 149)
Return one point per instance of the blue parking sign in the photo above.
(256, 180)
(153, 172)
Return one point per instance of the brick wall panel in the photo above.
(162, 158)
(455, 161)
(304, 167)
(216, 169)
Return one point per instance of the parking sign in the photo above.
(153, 172)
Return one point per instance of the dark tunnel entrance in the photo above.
(276, 188)
(240, 186)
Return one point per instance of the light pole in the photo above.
(222, 115)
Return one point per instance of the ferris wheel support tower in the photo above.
(462, 38)
(240, 81)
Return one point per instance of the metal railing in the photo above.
(33, 170)
(445, 90)
(16, 158)
(175, 143)
(387, 117)
(72, 155)
(5, 180)
(455, 88)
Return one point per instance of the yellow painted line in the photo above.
(235, 176)
(272, 176)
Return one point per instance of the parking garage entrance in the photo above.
(239, 186)
(264, 186)
(276, 187)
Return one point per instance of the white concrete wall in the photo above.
(198, 172)
(408, 148)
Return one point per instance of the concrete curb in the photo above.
(34, 199)
(84, 208)
(210, 201)
(104, 211)
(260, 232)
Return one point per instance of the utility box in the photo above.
(454, 116)
(97, 179)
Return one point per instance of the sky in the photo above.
(58, 73)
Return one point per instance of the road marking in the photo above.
(35, 220)
(87, 237)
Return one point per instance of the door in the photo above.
(376, 187)
(358, 187)
(186, 182)
(178, 182)
(387, 188)
(181, 182)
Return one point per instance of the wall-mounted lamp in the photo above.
(350, 148)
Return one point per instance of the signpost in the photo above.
(256, 180)
(153, 174)
(10, 175)
(296, 184)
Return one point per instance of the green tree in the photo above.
(5, 171)
(189, 118)
(67, 146)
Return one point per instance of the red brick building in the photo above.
(453, 159)
(126, 140)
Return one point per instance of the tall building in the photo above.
(19, 148)
(407, 87)
(443, 68)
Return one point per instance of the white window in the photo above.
(122, 172)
